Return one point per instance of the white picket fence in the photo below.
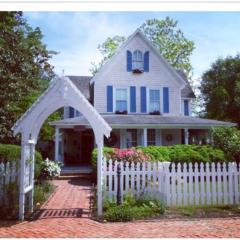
(177, 185)
(8, 174)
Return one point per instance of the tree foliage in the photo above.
(166, 37)
(220, 89)
(228, 139)
(107, 49)
(24, 69)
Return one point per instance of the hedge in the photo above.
(175, 153)
(10, 153)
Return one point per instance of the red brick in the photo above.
(74, 195)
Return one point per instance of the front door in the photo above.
(86, 147)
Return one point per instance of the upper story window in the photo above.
(154, 101)
(137, 60)
(121, 100)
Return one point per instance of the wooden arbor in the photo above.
(61, 92)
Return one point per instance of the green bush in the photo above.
(42, 191)
(177, 153)
(132, 208)
(106, 150)
(185, 153)
(12, 153)
(228, 139)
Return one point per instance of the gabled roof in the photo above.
(187, 91)
(82, 83)
(149, 43)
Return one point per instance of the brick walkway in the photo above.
(67, 215)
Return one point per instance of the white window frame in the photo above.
(138, 61)
(148, 98)
(114, 97)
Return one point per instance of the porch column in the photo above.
(56, 144)
(99, 175)
(186, 136)
(145, 137)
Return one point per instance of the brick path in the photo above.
(67, 215)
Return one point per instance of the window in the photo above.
(131, 138)
(121, 99)
(151, 137)
(154, 101)
(137, 61)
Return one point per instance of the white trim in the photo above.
(128, 96)
(148, 98)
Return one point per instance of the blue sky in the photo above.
(76, 35)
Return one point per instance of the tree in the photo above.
(220, 88)
(24, 69)
(107, 49)
(166, 37)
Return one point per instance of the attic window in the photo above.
(137, 61)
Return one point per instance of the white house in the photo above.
(141, 96)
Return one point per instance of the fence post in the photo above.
(119, 198)
(166, 182)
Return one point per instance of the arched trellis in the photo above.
(61, 92)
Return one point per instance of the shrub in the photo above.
(185, 153)
(42, 191)
(128, 155)
(10, 153)
(132, 208)
(228, 139)
(50, 169)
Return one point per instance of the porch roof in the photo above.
(144, 120)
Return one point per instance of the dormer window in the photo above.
(137, 61)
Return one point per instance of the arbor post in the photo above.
(99, 175)
(32, 166)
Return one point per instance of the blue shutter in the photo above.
(165, 100)
(146, 61)
(129, 61)
(71, 112)
(186, 108)
(132, 99)
(109, 98)
(143, 100)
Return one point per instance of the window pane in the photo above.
(155, 95)
(154, 106)
(121, 94)
(121, 106)
(137, 55)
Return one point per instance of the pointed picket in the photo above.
(185, 185)
(219, 184)
(190, 183)
(202, 181)
(179, 185)
(173, 185)
(214, 192)
(230, 182)
(225, 190)
(196, 181)
(208, 183)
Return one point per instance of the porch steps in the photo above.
(64, 176)
(76, 172)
